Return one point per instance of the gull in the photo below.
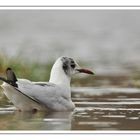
(54, 95)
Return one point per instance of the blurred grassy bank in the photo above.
(25, 69)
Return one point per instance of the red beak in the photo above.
(85, 71)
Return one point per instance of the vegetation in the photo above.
(32, 71)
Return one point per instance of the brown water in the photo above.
(97, 108)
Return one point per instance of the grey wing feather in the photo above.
(31, 98)
(46, 93)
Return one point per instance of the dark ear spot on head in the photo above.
(65, 66)
(65, 63)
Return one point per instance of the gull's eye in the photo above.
(73, 66)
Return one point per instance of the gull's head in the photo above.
(69, 66)
(64, 68)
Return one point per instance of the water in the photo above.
(118, 110)
(96, 109)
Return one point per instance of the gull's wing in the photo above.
(48, 94)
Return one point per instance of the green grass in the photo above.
(24, 69)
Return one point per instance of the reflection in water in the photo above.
(112, 111)
(16, 120)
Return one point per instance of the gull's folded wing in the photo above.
(20, 100)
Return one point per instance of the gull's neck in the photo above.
(59, 77)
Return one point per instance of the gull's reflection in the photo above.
(44, 121)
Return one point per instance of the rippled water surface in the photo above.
(96, 109)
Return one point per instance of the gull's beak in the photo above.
(81, 70)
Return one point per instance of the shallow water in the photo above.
(104, 108)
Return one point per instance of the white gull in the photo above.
(54, 95)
